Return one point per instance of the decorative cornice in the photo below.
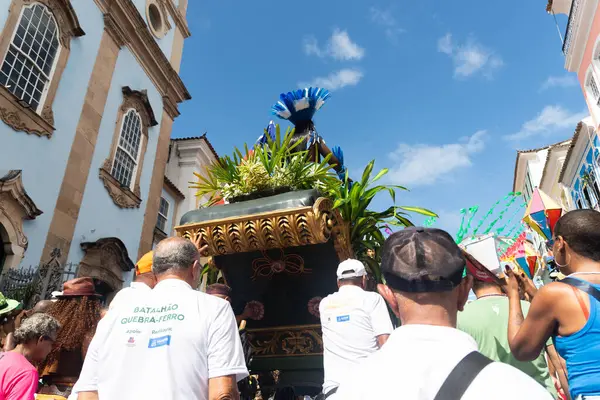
(114, 30)
(21, 118)
(271, 230)
(144, 104)
(116, 246)
(12, 183)
(125, 24)
(170, 107)
(121, 196)
(179, 19)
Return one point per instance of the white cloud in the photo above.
(548, 121)
(559, 81)
(386, 20)
(339, 47)
(445, 44)
(424, 164)
(336, 80)
(470, 57)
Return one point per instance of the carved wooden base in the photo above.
(302, 340)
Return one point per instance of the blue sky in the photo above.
(441, 93)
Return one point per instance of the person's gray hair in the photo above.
(173, 254)
(37, 326)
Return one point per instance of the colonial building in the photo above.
(581, 47)
(186, 156)
(580, 173)
(89, 91)
(533, 167)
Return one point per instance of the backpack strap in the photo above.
(461, 377)
(584, 286)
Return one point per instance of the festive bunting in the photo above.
(542, 213)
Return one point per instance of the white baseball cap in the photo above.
(351, 268)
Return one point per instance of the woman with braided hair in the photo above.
(78, 311)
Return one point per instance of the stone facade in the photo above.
(89, 133)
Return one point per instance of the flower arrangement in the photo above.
(276, 165)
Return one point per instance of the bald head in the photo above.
(41, 306)
(174, 255)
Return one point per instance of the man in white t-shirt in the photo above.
(423, 268)
(355, 324)
(184, 343)
(144, 280)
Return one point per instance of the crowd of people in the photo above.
(161, 338)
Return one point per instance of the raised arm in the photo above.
(528, 336)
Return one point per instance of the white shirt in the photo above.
(173, 338)
(351, 320)
(125, 293)
(417, 359)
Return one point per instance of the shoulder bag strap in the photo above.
(583, 286)
(457, 383)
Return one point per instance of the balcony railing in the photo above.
(571, 25)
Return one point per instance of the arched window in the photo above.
(128, 149)
(35, 43)
(31, 57)
(122, 170)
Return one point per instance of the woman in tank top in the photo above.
(563, 312)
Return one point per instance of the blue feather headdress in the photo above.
(300, 105)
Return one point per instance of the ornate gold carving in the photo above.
(286, 341)
(341, 238)
(121, 196)
(265, 266)
(277, 229)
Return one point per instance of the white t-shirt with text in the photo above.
(351, 320)
(124, 294)
(164, 344)
(417, 359)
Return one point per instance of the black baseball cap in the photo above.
(422, 260)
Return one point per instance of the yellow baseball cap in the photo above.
(144, 265)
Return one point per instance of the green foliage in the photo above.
(273, 165)
(212, 274)
(353, 200)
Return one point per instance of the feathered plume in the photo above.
(300, 105)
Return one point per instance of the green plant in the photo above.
(353, 199)
(273, 165)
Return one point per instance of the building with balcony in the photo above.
(89, 91)
(581, 47)
(580, 174)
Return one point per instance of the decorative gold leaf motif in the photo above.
(273, 230)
